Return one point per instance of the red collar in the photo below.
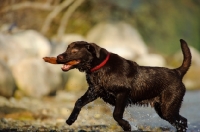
(101, 64)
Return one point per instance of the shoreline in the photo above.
(50, 114)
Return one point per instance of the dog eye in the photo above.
(74, 51)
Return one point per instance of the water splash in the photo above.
(146, 116)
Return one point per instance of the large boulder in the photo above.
(151, 60)
(123, 39)
(69, 38)
(7, 83)
(24, 44)
(33, 43)
(120, 38)
(10, 51)
(35, 78)
(75, 81)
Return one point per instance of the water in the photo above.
(147, 116)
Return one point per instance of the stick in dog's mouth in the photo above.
(65, 66)
(69, 65)
(51, 60)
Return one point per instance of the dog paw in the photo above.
(69, 122)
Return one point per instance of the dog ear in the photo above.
(92, 47)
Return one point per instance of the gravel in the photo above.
(49, 114)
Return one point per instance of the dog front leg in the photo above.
(88, 97)
(119, 110)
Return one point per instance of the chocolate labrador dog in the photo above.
(122, 82)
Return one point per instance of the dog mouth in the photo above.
(69, 65)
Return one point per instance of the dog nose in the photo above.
(60, 57)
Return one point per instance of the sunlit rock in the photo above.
(68, 38)
(36, 79)
(151, 60)
(7, 83)
(120, 38)
(23, 44)
(75, 81)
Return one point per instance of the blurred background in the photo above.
(145, 31)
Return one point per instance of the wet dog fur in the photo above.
(121, 82)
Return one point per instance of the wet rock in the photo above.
(119, 37)
(7, 83)
(34, 78)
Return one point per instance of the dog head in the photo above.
(80, 55)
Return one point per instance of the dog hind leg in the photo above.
(177, 121)
(168, 109)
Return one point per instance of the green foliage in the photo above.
(161, 23)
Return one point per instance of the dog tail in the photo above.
(186, 58)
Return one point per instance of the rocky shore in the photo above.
(48, 114)
(22, 126)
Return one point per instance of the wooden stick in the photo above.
(51, 60)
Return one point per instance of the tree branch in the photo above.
(27, 4)
(53, 14)
(67, 14)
